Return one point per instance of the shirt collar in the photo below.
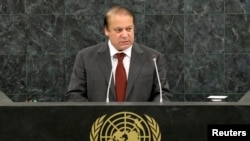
(114, 51)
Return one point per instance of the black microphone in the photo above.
(157, 73)
(110, 80)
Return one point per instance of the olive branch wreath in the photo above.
(154, 128)
(95, 128)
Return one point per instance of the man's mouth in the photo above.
(124, 42)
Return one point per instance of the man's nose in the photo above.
(124, 33)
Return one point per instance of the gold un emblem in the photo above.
(125, 126)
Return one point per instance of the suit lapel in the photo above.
(136, 63)
(104, 62)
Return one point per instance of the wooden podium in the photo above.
(173, 121)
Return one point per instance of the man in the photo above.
(134, 79)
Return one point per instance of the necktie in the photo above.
(120, 78)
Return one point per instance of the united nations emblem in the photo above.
(125, 126)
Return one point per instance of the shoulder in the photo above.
(93, 48)
(146, 49)
(91, 51)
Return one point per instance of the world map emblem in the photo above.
(125, 126)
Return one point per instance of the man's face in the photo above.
(120, 31)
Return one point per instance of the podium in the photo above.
(172, 121)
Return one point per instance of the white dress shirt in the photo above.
(114, 60)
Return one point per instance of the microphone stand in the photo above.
(158, 77)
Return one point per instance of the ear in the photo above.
(106, 31)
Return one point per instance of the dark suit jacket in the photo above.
(92, 68)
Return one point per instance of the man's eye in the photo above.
(128, 29)
(118, 30)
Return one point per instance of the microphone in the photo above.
(110, 80)
(157, 73)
